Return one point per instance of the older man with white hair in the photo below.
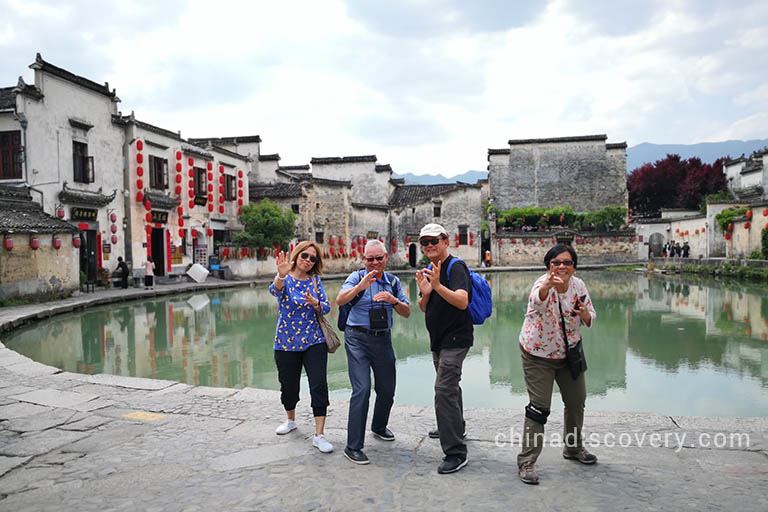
(374, 294)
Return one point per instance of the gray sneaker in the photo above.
(528, 474)
(581, 455)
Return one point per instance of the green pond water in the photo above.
(675, 346)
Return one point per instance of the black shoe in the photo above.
(356, 456)
(435, 434)
(581, 455)
(384, 435)
(451, 464)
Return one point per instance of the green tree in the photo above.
(266, 225)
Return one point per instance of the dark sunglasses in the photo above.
(377, 258)
(305, 255)
(565, 263)
(428, 241)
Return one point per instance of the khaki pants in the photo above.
(540, 375)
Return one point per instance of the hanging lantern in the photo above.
(239, 202)
(191, 184)
(730, 227)
(181, 233)
(354, 253)
(179, 167)
(341, 241)
(239, 211)
(178, 155)
(191, 161)
(697, 231)
(140, 158)
(457, 238)
(749, 214)
(457, 243)
(221, 208)
(181, 222)
(149, 217)
(194, 233)
(765, 212)
(353, 244)
(210, 207)
(210, 176)
(210, 187)
(240, 173)
(148, 229)
(139, 171)
(221, 190)
(747, 225)
(113, 228)
(139, 145)
(703, 229)
(471, 241)
(114, 239)
(240, 193)
(727, 236)
(178, 178)
(191, 202)
(60, 213)
(75, 241)
(140, 184)
(178, 190)
(191, 173)
(34, 243)
(8, 243)
(210, 166)
(147, 205)
(562, 218)
(407, 240)
(113, 217)
(332, 251)
(191, 194)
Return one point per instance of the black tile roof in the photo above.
(75, 196)
(7, 97)
(270, 157)
(410, 194)
(197, 151)
(342, 159)
(579, 138)
(294, 167)
(616, 145)
(371, 206)
(330, 183)
(19, 214)
(160, 201)
(383, 167)
(243, 139)
(753, 165)
(73, 78)
(278, 190)
(502, 151)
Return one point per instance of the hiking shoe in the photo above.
(286, 427)
(384, 435)
(528, 474)
(451, 464)
(435, 434)
(582, 455)
(356, 456)
(322, 444)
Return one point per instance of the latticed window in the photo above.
(158, 173)
(10, 155)
(82, 164)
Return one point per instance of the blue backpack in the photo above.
(344, 310)
(481, 302)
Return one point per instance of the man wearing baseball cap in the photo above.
(444, 302)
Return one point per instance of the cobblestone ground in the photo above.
(104, 443)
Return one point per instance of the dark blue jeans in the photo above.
(366, 352)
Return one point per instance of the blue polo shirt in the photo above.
(358, 315)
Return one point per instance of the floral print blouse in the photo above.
(541, 334)
(297, 326)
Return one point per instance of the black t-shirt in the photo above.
(448, 326)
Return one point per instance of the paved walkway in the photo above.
(102, 443)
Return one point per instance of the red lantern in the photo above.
(147, 205)
(113, 228)
(331, 240)
(240, 193)
(221, 208)
(457, 243)
(34, 243)
(471, 241)
(727, 236)
(353, 244)
(148, 229)
(139, 145)
(191, 194)
(221, 180)
(56, 243)
(221, 190)
(181, 222)
(191, 161)
(60, 213)
(178, 178)
(194, 233)
(114, 239)
(210, 176)
(192, 202)
(210, 166)
(149, 217)
(730, 227)
(341, 241)
(749, 214)
(8, 243)
(457, 238)
(697, 231)
(140, 184)
(140, 158)
(113, 217)
(191, 174)
(239, 211)
(180, 210)
(239, 202)
(179, 168)
(139, 171)
(181, 233)
(210, 197)
(210, 232)
(221, 168)
(407, 240)
(354, 253)
(747, 225)
(703, 229)
(240, 173)
(471, 234)
(75, 241)
(210, 187)
(178, 155)
(332, 251)
(210, 207)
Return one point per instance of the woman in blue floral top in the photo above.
(298, 338)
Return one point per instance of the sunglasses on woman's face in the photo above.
(427, 241)
(306, 255)
(370, 259)
(566, 263)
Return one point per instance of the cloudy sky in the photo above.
(426, 85)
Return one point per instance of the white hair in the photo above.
(375, 242)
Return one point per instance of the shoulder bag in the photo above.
(574, 356)
(332, 341)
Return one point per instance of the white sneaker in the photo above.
(322, 444)
(286, 427)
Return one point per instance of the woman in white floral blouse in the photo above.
(543, 352)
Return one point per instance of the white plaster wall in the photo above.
(751, 179)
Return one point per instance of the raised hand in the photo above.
(425, 286)
(310, 300)
(284, 263)
(368, 280)
(433, 275)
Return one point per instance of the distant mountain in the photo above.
(708, 152)
(437, 179)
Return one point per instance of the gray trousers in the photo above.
(449, 407)
(540, 376)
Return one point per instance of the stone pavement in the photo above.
(99, 442)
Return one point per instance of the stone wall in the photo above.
(369, 186)
(26, 273)
(577, 171)
(745, 240)
(529, 249)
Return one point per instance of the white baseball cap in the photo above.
(432, 230)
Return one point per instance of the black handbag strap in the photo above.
(562, 322)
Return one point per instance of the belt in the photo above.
(368, 331)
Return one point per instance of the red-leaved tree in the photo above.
(673, 183)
